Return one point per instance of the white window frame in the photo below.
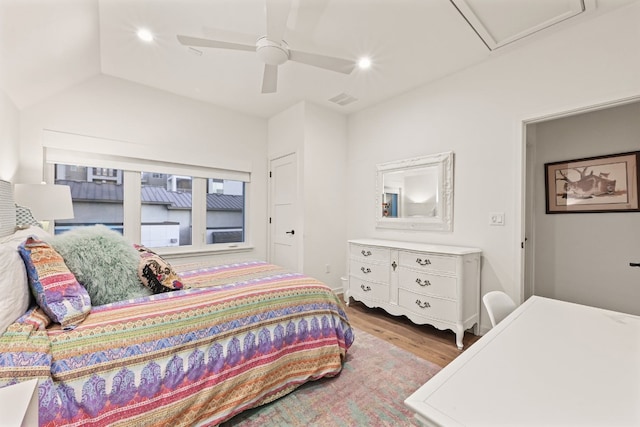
(132, 170)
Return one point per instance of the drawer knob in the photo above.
(365, 270)
(421, 283)
(365, 253)
(394, 265)
(423, 304)
(425, 262)
(365, 288)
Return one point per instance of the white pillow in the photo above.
(21, 235)
(14, 288)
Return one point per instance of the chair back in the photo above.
(499, 305)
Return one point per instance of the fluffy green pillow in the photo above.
(103, 261)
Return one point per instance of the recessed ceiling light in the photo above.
(145, 35)
(364, 63)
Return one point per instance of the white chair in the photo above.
(498, 305)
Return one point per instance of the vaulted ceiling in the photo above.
(48, 46)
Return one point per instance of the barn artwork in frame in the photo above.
(596, 184)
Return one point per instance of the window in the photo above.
(170, 209)
(215, 186)
(225, 211)
(166, 205)
(95, 201)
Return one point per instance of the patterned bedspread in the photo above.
(243, 335)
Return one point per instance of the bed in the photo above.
(238, 335)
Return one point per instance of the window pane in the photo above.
(166, 210)
(225, 211)
(96, 194)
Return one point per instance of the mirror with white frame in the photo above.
(416, 193)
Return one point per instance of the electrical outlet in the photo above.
(496, 218)
(327, 268)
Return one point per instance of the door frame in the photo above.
(527, 209)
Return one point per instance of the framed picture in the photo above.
(596, 184)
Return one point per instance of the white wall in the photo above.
(584, 258)
(325, 166)
(286, 131)
(478, 113)
(318, 137)
(9, 137)
(169, 126)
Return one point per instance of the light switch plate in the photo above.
(496, 218)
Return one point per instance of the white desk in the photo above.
(549, 363)
(19, 404)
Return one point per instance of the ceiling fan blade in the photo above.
(304, 19)
(199, 42)
(338, 65)
(230, 36)
(277, 15)
(270, 79)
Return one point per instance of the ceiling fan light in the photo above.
(364, 63)
(272, 53)
(145, 35)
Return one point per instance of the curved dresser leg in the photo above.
(459, 336)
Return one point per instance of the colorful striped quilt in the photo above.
(243, 335)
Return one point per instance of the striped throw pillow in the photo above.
(55, 288)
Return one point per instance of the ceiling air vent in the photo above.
(343, 99)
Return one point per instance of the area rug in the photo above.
(370, 391)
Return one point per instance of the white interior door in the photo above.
(284, 237)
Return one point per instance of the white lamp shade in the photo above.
(46, 201)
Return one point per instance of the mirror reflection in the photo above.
(416, 193)
(410, 193)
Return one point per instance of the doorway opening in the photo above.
(580, 257)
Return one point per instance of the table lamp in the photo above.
(47, 202)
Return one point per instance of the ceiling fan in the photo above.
(272, 49)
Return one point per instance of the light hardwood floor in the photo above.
(424, 341)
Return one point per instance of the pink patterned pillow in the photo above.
(55, 288)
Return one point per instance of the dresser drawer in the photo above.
(422, 305)
(428, 262)
(425, 283)
(369, 272)
(370, 253)
(363, 289)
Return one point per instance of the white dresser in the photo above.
(430, 284)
